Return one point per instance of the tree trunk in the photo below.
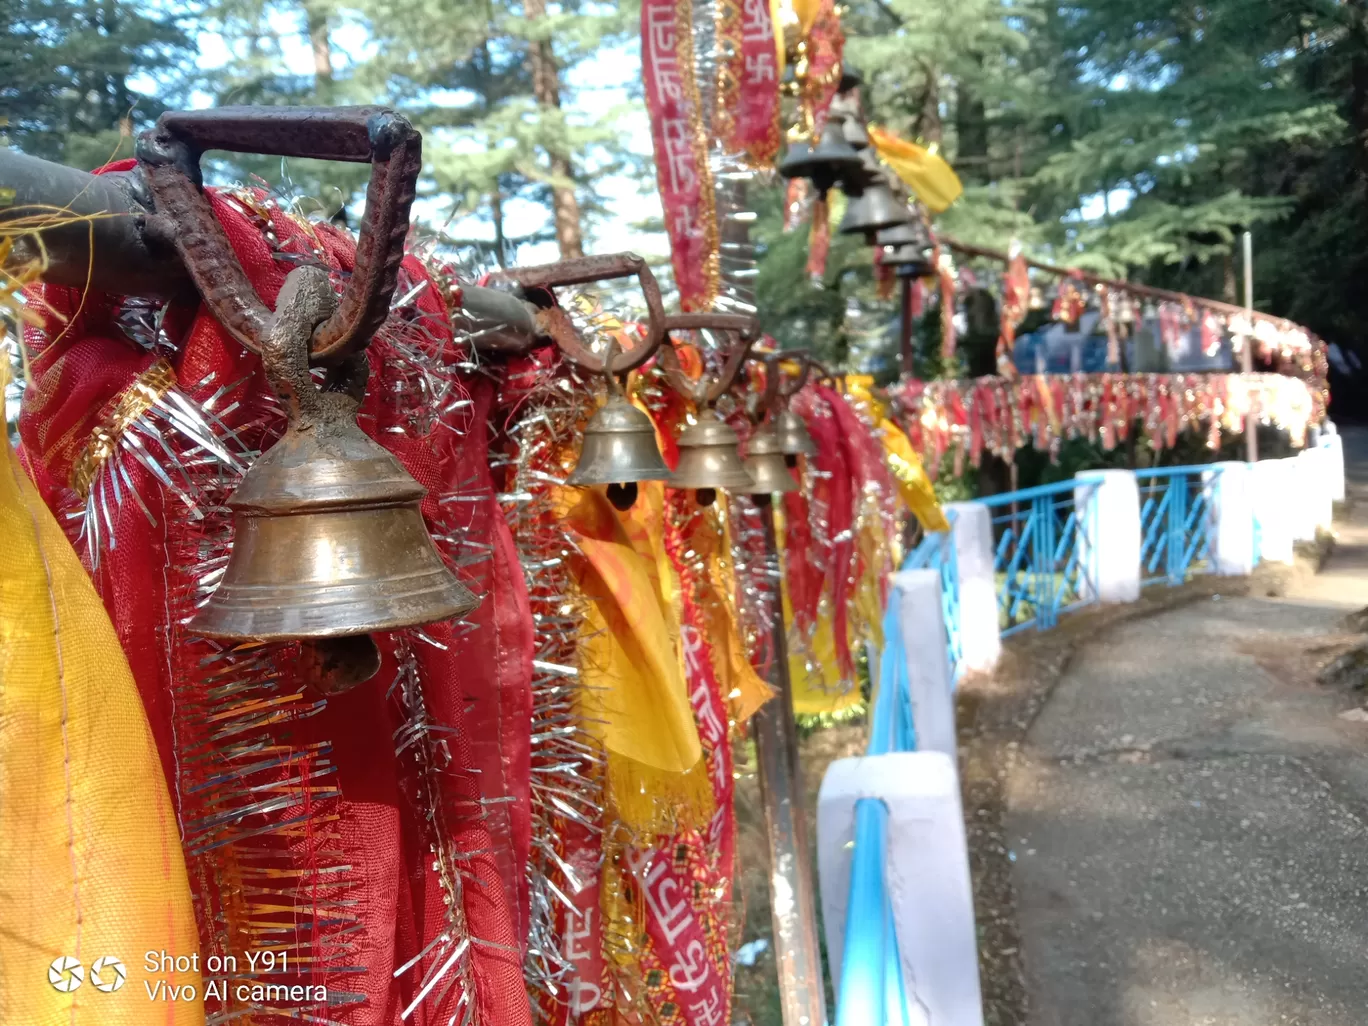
(546, 89)
(1228, 279)
(971, 126)
(317, 21)
(1358, 80)
(928, 118)
(496, 213)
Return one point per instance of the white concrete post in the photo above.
(1110, 514)
(1311, 497)
(926, 869)
(980, 638)
(922, 623)
(1275, 506)
(1332, 443)
(1232, 517)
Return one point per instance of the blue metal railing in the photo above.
(1044, 558)
(936, 551)
(1175, 522)
(872, 990)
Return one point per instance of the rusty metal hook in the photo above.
(774, 379)
(170, 157)
(582, 271)
(746, 326)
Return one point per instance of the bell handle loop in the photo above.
(583, 271)
(731, 370)
(170, 157)
(610, 355)
(306, 300)
(694, 391)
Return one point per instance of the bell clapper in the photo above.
(333, 666)
(791, 460)
(705, 496)
(622, 496)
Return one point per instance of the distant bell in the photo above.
(826, 163)
(794, 440)
(765, 463)
(709, 459)
(873, 210)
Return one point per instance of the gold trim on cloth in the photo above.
(133, 402)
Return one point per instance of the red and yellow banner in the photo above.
(682, 172)
(747, 114)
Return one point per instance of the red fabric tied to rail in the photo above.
(374, 840)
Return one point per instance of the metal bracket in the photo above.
(170, 156)
(582, 271)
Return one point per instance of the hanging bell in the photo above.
(873, 210)
(765, 463)
(328, 540)
(794, 440)
(619, 448)
(907, 249)
(826, 163)
(709, 459)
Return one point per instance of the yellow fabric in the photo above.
(807, 11)
(926, 173)
(90, 855)
(914, 485)
(743, 688)
(816, 682)
(634, 698)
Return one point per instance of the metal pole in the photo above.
(1247, 357)
(793, 904)
(905, 327)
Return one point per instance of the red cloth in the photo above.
(346, 869)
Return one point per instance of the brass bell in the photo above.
(826, 163)
(907, 248)
(873, 210)
(709, 459)
(765, 463)
(328, 540)
(619, 448)
(794, 440)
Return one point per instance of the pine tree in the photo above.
(67, 74)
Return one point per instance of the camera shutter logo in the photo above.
(107, 974)
(65, 974)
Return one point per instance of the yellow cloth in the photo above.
(813, 675)
(926, 173)
(915, 487)
(634, 698)
(90, 855)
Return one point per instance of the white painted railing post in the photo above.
(926, 869)
(1232, 518)
(1108, 505)
(1333, 444)
(980, 637)
(1275, 506)
(1311, 495)
(917, 593)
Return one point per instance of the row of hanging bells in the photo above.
(620, 450)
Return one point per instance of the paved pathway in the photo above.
(1189, 817)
